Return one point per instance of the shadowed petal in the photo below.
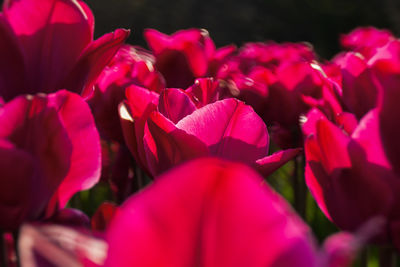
(166, 145)
(93, 60)
(44, 31)
(269, 164)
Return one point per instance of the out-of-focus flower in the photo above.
(279, 81)
(211, 212)
(348, 173)
(48, 45)
(365, 40)
(185, 55)
(162, 131)
(208, 212)
(55, 144)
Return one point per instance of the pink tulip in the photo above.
(279, 81)
(348, 173)
(359, 93)
(129, 66)
(54, 142)
(211, 212)
(162, 131)
(366, 40)
(386, 67)
(48, 45)
(208, 212)
(185, 55)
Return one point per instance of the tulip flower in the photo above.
(129, 66)
(185, 55)
(162, 131)
(54, 142)
(208, 212)
(276, 79)
(359, 93)
(386, 67)
(366, 40)
(211, 212)
(48, 45)
(349, 175)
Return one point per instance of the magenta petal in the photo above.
(12, 66)
(133, 114)
(316, 177)
(309, 122)
(374, 195)
(238, 133)
(333, 143)
(389, 118)
(93, 60)
(269, 164)
(52, 34)
(156, 40)
(166, 145)
(204, 90)
(24, 205)
(175, 104)
(33, 135)
(359, 91)
(368, 136)
(208, 213)
(347, 121)
(85, 166)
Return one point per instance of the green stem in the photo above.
(299, 187)
(387, 256)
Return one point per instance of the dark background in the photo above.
(319, 22)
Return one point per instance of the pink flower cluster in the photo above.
(196, 121)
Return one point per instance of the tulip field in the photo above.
(181, 153)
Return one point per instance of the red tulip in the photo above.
(348, 173)
(359, 93)
(185, 55)
(174, 130)
(386, 67)
(366, 40)
(208, 212)
(55, 144)
(129, 66)
(48, 45)
(279, 81)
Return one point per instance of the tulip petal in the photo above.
(367, 135)
(316, 177)
(208, 213)
(85, 165)
(238, 133)
(44, 31)
(33, 135)
(12, 66)
(175, 104)
(333, 143)
(93, 60)
(166, 145)
(269, 164)
(133, 115)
